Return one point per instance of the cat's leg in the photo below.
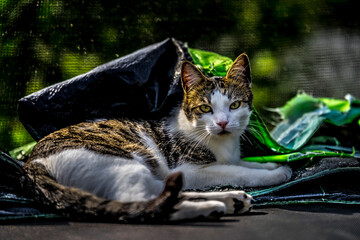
(236, 202)
(80, 205)
(87, 174)
(200, 177)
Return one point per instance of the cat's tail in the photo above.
(80, 205)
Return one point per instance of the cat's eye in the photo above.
(235, 105)
(205, 108)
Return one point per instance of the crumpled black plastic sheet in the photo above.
(145, 84)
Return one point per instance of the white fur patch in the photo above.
(163, 170)
(106, 176)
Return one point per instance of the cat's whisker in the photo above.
(197, 135)
(256, 133)
(200, 139)
(246, 138)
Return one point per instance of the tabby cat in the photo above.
(123, 170)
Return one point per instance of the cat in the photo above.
(132, 170)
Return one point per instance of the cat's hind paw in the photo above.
(236, 202)
(186, 210)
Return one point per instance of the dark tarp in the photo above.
(323, 181)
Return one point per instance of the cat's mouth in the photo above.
(223, 133)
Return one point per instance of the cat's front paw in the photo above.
(271, 165)
(285, 173)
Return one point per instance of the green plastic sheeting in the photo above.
(303, 116)
(22, 152)
(299, 132)
(212, 64)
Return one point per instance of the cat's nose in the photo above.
(222, 124)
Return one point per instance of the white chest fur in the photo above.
(226, 149)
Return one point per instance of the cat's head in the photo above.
(219, 106)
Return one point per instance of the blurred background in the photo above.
(309, 45)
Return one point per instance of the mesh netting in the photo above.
(292, 45)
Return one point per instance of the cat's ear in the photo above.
(190, 75)
(240, 69)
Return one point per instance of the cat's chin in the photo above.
(226, 134)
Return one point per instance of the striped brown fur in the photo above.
(122, 138)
